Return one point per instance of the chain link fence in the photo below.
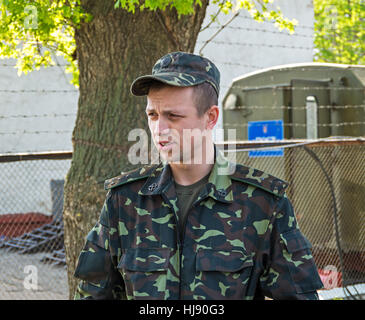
(327, 189)
(31, 228)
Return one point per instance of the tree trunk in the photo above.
(112, 50)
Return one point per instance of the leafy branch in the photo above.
(33, 32)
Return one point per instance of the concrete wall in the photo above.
(37, 110)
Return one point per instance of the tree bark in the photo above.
(112, 50)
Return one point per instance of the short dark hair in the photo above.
(205, 95)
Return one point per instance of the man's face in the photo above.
(172, 115)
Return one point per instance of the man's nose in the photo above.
(161, 127)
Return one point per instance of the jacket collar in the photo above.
(219, 185)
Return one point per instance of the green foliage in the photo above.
(34, 32)
(262, 11)
(259, 9)
(339, 31)
(182, 6)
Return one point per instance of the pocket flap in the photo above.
(145, 259)
(220, 260)
(295, 241)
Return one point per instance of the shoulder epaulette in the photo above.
(260, 180)
(130, 176)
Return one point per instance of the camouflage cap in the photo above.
(180, 69)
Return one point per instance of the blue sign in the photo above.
(270, 130)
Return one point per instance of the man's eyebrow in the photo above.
(165, 112)
(149, 109)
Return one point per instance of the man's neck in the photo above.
(187, 174)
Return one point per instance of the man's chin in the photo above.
(170, 158)
(174, 157)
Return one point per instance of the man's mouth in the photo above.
(165, 143)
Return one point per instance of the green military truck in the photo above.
(314, 100)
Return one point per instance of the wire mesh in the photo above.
(31, 230)
(327, 190)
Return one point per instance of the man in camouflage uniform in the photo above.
(208, 230)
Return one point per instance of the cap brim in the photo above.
(141, 85)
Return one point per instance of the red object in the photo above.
(330, 277)
(14, 225)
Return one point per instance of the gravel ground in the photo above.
(50, 282)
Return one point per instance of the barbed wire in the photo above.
(249, 107)
(230, 43)
(220, 28)
(235, 64)
(287, 143)
(38, 91)
(240, 125)
(277, 87)
(245, 17)
(264, 31)
(288, 86)
(35, 132)
(49, 115)
(14, 65)
(35, 151)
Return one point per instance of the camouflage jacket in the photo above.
(241, 241)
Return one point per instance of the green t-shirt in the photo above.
(186, 195)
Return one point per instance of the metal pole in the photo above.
(312, 122)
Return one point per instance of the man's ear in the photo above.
(212, 114)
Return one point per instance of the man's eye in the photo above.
(151, 114)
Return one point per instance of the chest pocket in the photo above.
(144, 271)
(222, 274)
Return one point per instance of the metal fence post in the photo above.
(311, 112)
